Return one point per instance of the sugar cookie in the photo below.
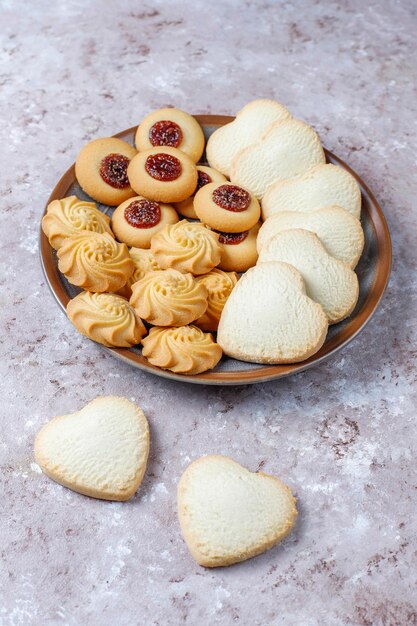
(163, 174)
(100, 451)
(101, 170)
(239, 251)
(183, 350)
(137, 220)
(69, 216)
(323, 185)
(187, 247)
(249, 126)
(171, 127)
(268, 317)
(95, 262)
(169, 298)
(219, 286)
(206, 175)
(328, 281)
(227, 207)
(106, 318)
(288, 148)
(228, 514)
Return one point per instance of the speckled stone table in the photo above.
(342, 435)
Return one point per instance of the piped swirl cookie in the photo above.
(227, 207)
(106, 318)
(163, 174)
(173, 128)
(183, 350)
(187, 247)
(101, 170)
(95, 262)
(137, 220)
(205, 175)
(169, 298)
(219, 286)
(145, 262)
(69, 216)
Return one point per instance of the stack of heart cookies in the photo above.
(163, 271)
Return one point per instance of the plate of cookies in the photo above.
(216, 250)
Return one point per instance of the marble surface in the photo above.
(342, 435)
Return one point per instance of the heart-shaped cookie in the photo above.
(100, 451)
(228, 514)
(268, 318)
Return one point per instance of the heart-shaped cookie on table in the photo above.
(100, 451)
(229, 514)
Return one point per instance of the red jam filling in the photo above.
(165, 133)
(233, 238)
(203, 179)
(143, 214)
(164, 167)
(113, 170)
(231, 198)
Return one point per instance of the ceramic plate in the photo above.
(373, 272)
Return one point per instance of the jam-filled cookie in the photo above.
(219, 286)
(173, 128)
(95, 261)
(187, 247)
(163, 174)
(145, 262)
(239, 251)
(184, 350)
(106, 318)
(101, 170)
(137, 220)
(205, 175)
(69, 216)
(169, 298)
(227, 207)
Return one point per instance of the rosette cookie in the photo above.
(183, 350)
(95, 262)
(187, 247)
(69, 216)
(169, 298)
(145, 262)
(219, 286)
(106, 318)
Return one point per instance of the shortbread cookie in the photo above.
(171, 127)
(229, 514)
(69, 216)
(249, 126)
(328, 281)
(289, 148)
(95, 262)
(339, 231)
(163, 174)
(206, 175)
(106, 318)
(219, 286)
(169, 298)
(321, 186)
(145, 262)
(226, 207)
(183, 350)
(100, 451)
(239, 251)
(101, 170)
(268, 317)
(137, 220)
(187, 247)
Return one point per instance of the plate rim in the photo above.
(263, 373)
